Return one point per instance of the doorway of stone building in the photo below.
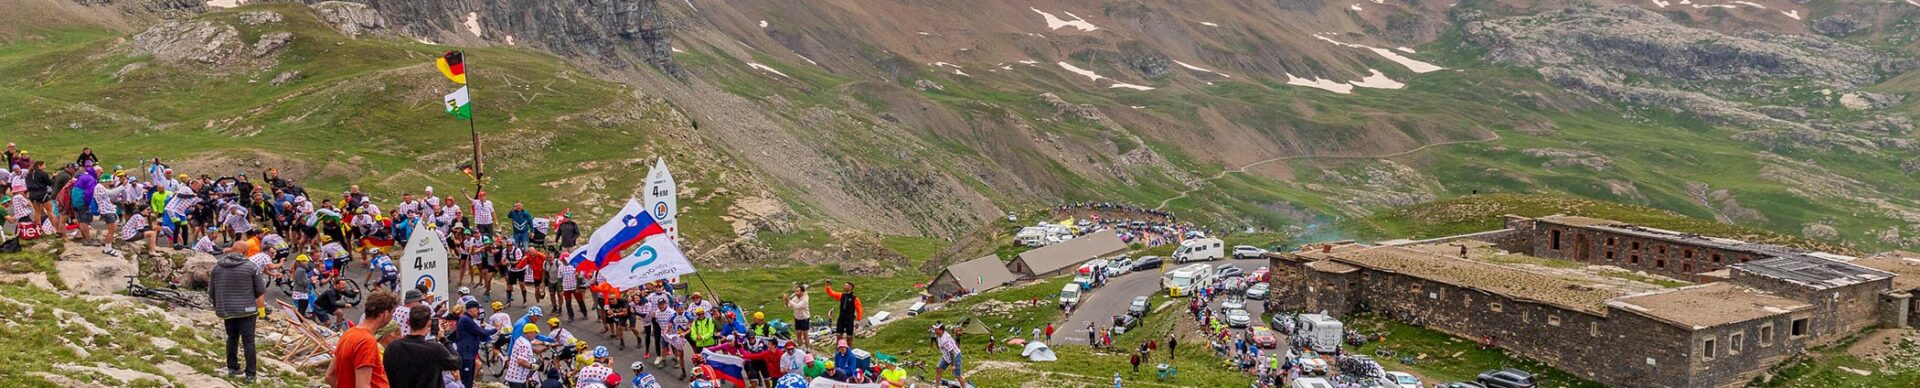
(1581, 250)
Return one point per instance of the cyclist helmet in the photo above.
(553, 321)
(497, 305)
(580, 344)
(599, 352)
(373, 250)
(534, 311)
(326, 238)
(639, 366)
(302, 258)
(463, 290)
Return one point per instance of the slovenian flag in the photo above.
(729, 368)
(458, 105)
(454, 66)
(623, 230)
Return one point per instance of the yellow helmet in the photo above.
(302, 258)
(758, 315)
(326, 238)
(579, 344)
(497, 305)
(553, 321)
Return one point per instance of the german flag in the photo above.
(453, 65)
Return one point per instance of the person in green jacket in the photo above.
(702, 331)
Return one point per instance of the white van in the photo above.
(1182, 282)
(1310, 382)
(1070, 294)
(1200, 249)
(1323, 332)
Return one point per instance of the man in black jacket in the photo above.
(236, 287)
(413, 361)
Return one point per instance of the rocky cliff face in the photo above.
(618, 33)
(1755, 79)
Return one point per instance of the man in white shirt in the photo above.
(483, 214)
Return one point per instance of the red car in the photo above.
(1264, 337)
(1259, 274)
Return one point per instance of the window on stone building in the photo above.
(1734, 343)
(1799, 328)
(1609, 255)
(1633, 258)
(1554, 238)
(1659, 263)
(1610, 241)
(1706, 349)
(1553, 320)
(1686, 253)
(1663, 249)
(1686, 267)
(1766, 334)
(1636, 245)
(1495, 306)
(1716, 258)
(1744, 259)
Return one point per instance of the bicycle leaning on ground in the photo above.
(168, 295)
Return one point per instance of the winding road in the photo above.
(1197, 185)
(1102, 304)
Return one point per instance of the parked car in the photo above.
(1260, 274)
(1247, 252)
(1228, 271)
(1240, 318)
(1309, 382)
(1234, 303)
(1461, 384)
(1119, 266)
(1147, 262)
(1264, 337)
(1311, 366)
(1123, 322)
(1258, 291)
(1138, 307)
(1069, 294)
(916, 308)
(1507, 378)
(1404, 379)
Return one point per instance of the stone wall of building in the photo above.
(1330, 292)
(1678, 260)
(1741, 351)
(1613, 350)
(1837, 311)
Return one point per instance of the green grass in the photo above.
(764, 289)
(1448, 358)
(1821, 368)
(917, 249)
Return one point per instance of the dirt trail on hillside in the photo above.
(1197, 185)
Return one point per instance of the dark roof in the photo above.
(1067, 253)
(1812, 271)
(980, 274)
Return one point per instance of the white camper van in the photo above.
(1200, 249)
(1182, 282)
(1323, 332)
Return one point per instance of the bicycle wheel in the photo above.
(354, 293)
(494, 364)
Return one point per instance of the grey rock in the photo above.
(1837, 26)
(270, 43)
(925, 85)
(1150, 64)
(1886, 124)
(1783, 112)
(256, 18)
(1822, 232)
(200, 42)
(128, 69)
(599, 29)
(353, 19)
(1910, 166)
(285, 77)
(1071, 110)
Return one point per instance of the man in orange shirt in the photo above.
(356, 362)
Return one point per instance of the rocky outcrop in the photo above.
(353, 19)
(1633, 39)
(1148, 63)
(256, 18)
(271, 42)
(1569, 158)
(88, 271)
(198, 42)
(1837, 26)
(1072, 111)
(614, 32)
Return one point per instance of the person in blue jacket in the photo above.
(845, 365)
(468, 337)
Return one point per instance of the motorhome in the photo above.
(1182, 282)
(1200, 249)
(1323, 333)
(1042, 235)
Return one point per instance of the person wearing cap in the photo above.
(468, 337)
(413, 361)
(520, 361)
(557, 333)
(844, 363)
(466, 295)
(595, 374)
(408, 299)
(702, 330)
(949, 354)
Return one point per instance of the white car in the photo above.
(1238, 318)
(1234, 303)
(1404, 379)
(1119, 267)
(1247, 252)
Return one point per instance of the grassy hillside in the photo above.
(365, 111)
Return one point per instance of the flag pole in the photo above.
(479, 176)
